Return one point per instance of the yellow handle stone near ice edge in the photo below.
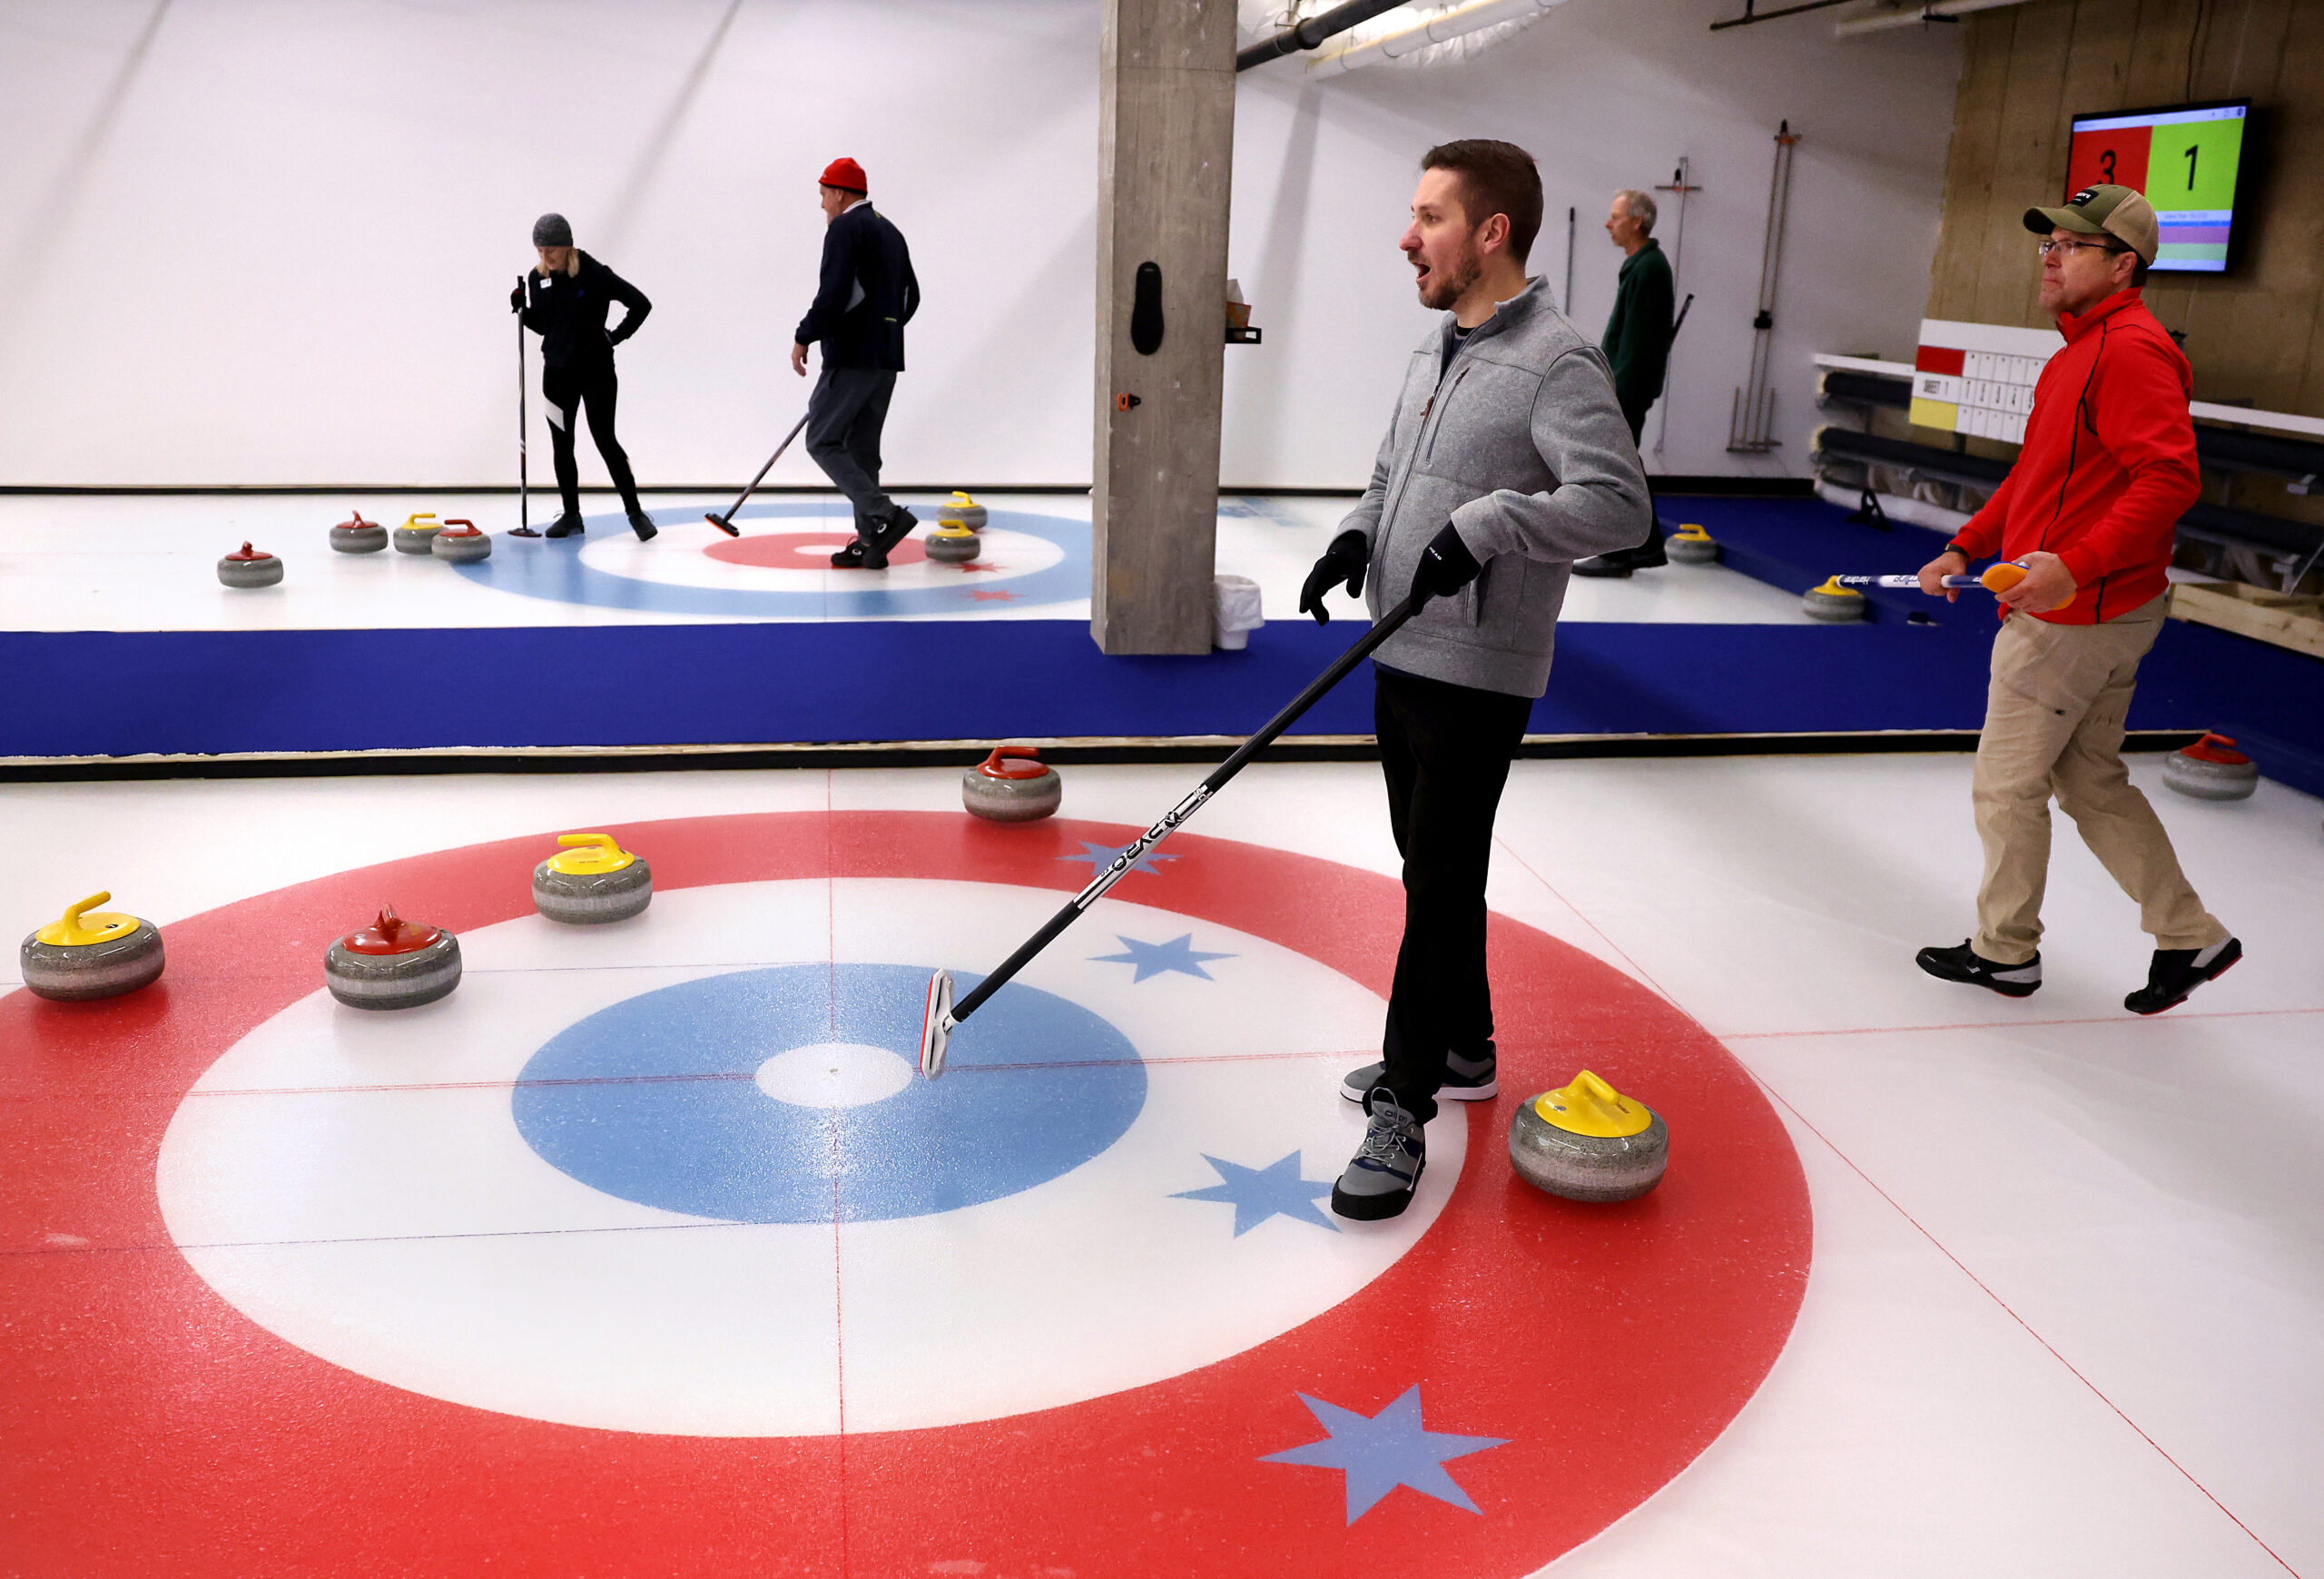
(588, 855)
(1592, 1107)
(1833, 589)
(79, 927)
(1693, 533)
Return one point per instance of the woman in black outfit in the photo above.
(565, 302)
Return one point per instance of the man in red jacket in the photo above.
(2107, 468)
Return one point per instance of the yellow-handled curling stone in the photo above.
(418, 533)
(1586, 1141)
(461, 544)
(1690, 545)
(1012, 785)
(393, 963)
(248, 566)
(357, 536)
(90, 955)
(593, 879)
(955, 541)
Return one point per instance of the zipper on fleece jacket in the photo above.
(1426, 445)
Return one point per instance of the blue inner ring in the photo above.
(552, 568)
(654, 1098)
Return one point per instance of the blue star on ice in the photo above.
(1260, 1193)
(1179, 955)
(1101, 856)
(1383, 1451)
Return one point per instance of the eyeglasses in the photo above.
(2055, 245)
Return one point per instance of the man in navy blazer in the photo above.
(866, 295)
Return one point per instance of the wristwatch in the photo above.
(1966, 557)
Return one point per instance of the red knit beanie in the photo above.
(846, 174)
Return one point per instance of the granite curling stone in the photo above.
(1589, 1142)
(2212, 770)
(393, 963)
(246, 566)
(418, 533)
(461, 543)
(1690, 545)
(86, 956)
(591, 880)
(1012, 785)
(1833, 603)
(951, 544)
(962, 510)
(357, 536)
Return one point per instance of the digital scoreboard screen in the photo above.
(2185, 159)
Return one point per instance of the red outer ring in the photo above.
(149, 1427)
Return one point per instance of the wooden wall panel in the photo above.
(2256, 335)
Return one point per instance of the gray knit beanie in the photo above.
(551, 231)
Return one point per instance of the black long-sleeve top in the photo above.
(866, 295)
(569, 312)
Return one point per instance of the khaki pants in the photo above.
(2054, 716)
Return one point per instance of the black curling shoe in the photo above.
(643, 525)
(1965, 964)
(565, 527)
(2174, 973)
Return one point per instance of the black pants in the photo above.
(844, 416)
(569, 390)
(1446, 750)
(1635, 415)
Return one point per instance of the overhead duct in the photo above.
(1425, 37)
(1886, 16)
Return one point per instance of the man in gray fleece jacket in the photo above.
(1508, 459)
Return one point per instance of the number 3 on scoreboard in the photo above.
(2106, 162)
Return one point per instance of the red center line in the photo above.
(1636, 969)
(730, 1077)
(2021, 1322)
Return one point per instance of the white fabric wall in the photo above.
(271, 241)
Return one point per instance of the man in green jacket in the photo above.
(1637, 348)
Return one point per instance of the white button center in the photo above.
(835, 1074)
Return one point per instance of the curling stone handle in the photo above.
(605, 842)
(73, 913)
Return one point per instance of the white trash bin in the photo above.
(1235, 602)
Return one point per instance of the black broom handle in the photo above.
(771, 460)
(1176, 817)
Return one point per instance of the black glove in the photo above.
(1445, 567)
(1346, 560)
(517, 298)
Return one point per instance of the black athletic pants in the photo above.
(1636, 416)
(844, 416)
(1446, 750)
(569, 390)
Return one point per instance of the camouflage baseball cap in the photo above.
(2104, 210)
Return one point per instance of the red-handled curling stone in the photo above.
(2212, 770)
(393, 963)
(357, 536)
(461, 543)
(247, 566)
(1012, 785)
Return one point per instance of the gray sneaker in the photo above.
(1465, 1081)
(1379, 1181)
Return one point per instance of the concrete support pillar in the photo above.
(1165, 146)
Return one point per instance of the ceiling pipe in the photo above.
(1425, 33)
(1307, 35)
(1913, 16)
